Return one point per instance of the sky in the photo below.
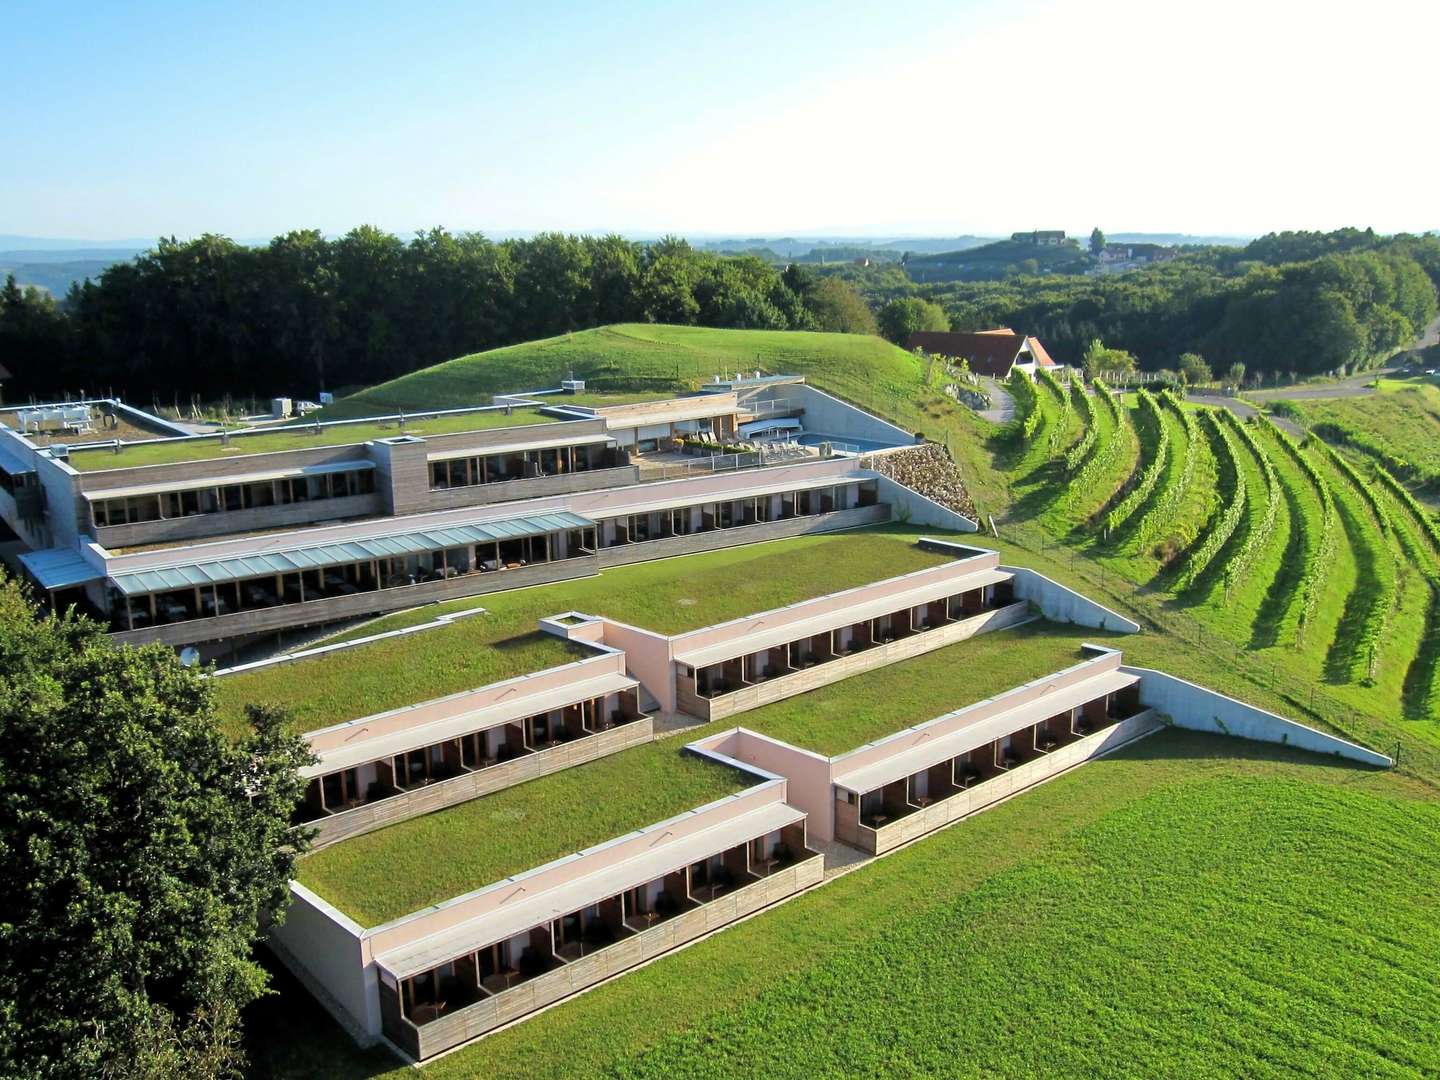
(1230, 117)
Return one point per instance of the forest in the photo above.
(1288, 304)
(203, 318)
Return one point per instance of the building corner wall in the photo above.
(1060, 604)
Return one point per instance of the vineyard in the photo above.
(1312, 553)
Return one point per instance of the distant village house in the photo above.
(992, 353)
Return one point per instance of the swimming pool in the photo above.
(849, 443)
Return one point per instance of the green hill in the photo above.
(642, 356)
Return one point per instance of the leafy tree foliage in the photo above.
(140, 849)
(901, 318)
(1302, 303)
(1097, 241)
(1105, 363)
(837, 307)
(1194, 370)
(303, 313)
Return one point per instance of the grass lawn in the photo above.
(298, 437)
(669, 596)
(387, 675)
(861, 709)
(1192, 904)
(405, 867)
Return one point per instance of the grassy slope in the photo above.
(669, 596)
(1286, 913)
(638, 355)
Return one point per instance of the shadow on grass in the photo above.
(1179, 744)
(1285, 588)
(289, 1036)
(1420, 697)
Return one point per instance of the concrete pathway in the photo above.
(1002, 408)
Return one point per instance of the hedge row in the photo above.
(1076, 455)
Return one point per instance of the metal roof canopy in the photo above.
(360, 750)
(58, 568)
(782, 424)
(289, 561)
(536, 443)
(526, 912)
(230, 481)
(931, 751)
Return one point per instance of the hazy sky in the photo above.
(1229, 116)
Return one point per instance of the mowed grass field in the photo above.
(1404, 417)
(1192, 905)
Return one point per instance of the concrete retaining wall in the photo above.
(916, 509)
(1059, 604)
(1198, 709)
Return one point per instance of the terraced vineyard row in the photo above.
(1232, 508)
(1060, 428)
(1317, 563)
(1085, 409)
(1242, 559)
(1173, 491)
(1150, 475)
(1110, 443)
(1355, 653)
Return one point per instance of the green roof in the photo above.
(349, 551)
(298, 437)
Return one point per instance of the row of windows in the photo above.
(226, 498)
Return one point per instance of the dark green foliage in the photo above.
(901, 318)
(140, 848)
(210, 317)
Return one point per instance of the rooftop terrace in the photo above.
(424, 861)
(298, 436)
(670, 596)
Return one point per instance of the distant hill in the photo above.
(645, 356)
(56, 271)
(1177, 239)
(1000, 259)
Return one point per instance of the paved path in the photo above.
(1244, 410)
(1003, 408)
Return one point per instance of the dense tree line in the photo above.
(209, 316)
(1344, 301)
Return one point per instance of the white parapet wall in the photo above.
(913, 508)
(1059, 604)
(1198, 709)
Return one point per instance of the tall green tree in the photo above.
(909, 315)
(1194, 370)
(1106, 362)
(1097, 241)
(837, 307)
(140, 849)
